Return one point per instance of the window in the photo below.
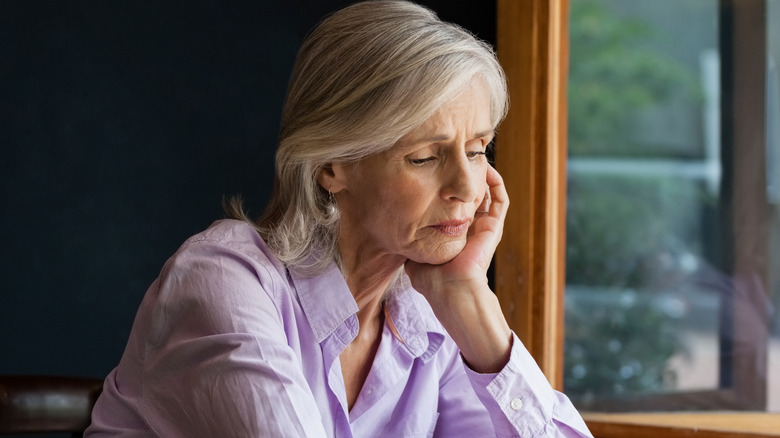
(701, 145)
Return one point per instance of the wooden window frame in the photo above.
(532, 45)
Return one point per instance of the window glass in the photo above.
(662, 283)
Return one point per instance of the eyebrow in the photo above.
(438, 138)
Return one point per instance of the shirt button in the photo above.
(516, 404)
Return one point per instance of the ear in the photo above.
(333, 177)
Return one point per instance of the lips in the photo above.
(452, 228)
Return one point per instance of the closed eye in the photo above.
(474, 154)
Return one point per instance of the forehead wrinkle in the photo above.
(445, 137)
(462, 119)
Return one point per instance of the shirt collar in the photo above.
(413, 319)
(326, 300)
(328, 303)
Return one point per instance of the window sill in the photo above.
(700, 425)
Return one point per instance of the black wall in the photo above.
(122, 124)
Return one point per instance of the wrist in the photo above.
(477, 325)
(489, 358)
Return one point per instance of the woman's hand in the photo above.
(458, 290)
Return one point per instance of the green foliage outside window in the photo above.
(623, 246)
(622, 266)
(611, 76)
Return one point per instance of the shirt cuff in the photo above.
(519, 398)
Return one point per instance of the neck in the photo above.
(368, 277)
(368, 272)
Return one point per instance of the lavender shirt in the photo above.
(229, 343)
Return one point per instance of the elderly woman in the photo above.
(358, 305)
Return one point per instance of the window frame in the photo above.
(743, 82)
(532, 46)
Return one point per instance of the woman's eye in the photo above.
(421, 160)
(474, 154)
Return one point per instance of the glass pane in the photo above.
(658, 286)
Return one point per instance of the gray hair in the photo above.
(365, 76)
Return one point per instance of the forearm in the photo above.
(473, 318)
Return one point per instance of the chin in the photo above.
(440, 255)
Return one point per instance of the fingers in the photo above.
(498, 201)
(484, 207)
(496, 183)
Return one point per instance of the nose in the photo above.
(463, 180)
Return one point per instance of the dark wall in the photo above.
(122, 124)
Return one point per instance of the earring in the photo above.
(330, 207)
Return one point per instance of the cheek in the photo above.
(404, 204)
(412, 196)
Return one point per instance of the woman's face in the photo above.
(418, 199)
